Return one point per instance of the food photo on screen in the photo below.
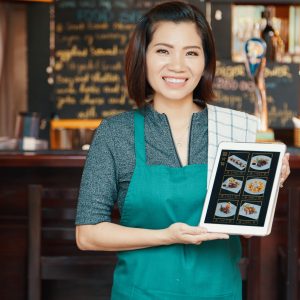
(255, 186)
(225, 209)
(260, 162)
(250, 210)
(232, 184)
(237, 162)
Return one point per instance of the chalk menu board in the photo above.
(234, 89)
(242, 188)
(90, 41)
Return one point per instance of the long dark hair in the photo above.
(135, 60)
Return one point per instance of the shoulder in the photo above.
(120, 120)
(117, 123)
(115, 130)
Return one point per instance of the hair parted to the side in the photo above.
(135, 60)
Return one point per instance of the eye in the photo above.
(192, 53)
(162, 51)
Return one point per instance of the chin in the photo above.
(176, 97)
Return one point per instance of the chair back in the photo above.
(52, 249)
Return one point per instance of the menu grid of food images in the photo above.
(242, 188)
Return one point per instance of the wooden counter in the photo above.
(50, 159)
(64, 168)
(17, 171)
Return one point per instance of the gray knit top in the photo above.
(111, 159)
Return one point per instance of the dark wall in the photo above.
(221, 28)
(39, 91)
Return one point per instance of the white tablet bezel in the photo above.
(243, 229)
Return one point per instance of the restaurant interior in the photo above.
(61, 74)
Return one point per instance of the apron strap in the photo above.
(139, 137)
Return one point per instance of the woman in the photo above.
(155, 163)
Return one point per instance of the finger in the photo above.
(247, 236)
(198, 239)
(214, 236)
(285, 170)
(195, 230)
(288, 170)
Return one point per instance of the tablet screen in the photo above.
(242, 188)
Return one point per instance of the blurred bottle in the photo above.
(27, 125)
(268, 34)
(280, 47)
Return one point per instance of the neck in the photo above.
(176, 111)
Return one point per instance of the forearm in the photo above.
(113, 237)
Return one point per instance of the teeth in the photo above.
(174, 80)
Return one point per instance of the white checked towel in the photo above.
(227, 125)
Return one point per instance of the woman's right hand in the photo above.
(181, 233)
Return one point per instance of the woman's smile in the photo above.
(175, 82)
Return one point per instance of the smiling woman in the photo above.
(156, 162)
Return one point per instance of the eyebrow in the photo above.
(170, 46)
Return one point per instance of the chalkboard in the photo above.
(90, 38)
(234, 89)
(90, 41)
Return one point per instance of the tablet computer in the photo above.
(243, 190)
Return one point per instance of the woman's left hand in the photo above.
(285, 170)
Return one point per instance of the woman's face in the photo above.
(175, 61)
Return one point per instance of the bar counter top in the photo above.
(73, 158)
(55, 158)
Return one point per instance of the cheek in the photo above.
(149, 74)
(156, 65)
(197, 68)
(148, 68)
(154, 70)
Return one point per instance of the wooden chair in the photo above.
(249, 267)
(289, 259)
(52, 251)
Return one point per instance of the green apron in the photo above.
(157, 197)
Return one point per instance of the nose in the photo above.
(177, 63)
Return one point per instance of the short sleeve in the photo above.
(98, 188)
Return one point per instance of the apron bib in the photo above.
(157, 197)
